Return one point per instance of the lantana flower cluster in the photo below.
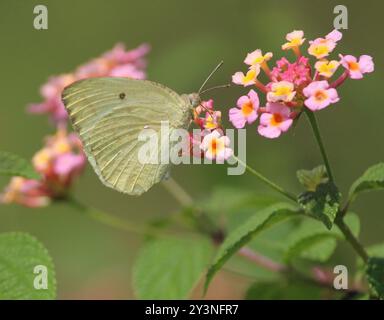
(59, 163)
(211, 142)
(62, 160)
(118, 62)
(292, 86)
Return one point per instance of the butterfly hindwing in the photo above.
(109, 113)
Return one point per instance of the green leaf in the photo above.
(20, 253)
(13, 165)
(323, 203)
(170, 268)
(273, 242)
(376, 250)
(372, 179)
(226, 200)
(310, 179)
(375, 275)
(311, 241)
(318, 247)
(293, 289)
(243, 234)
(270, 243)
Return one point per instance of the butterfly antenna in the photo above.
(210, 75)
(216, 87)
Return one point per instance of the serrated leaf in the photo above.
(270, 243)
(226, 200)
(260, 221)
(170, 268)
(375, 275)
(372, 179)
(317, 247)
(20, 253)
(322, 204)
(376, 250)
(310, 179)
(311, 241)
(13, 165)
(273, 242)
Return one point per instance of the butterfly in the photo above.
(108, 115)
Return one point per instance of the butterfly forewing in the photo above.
(109, 114)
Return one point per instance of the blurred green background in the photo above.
(188, 39)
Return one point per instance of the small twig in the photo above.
(261, 260)
(316, 132)
(349, 236)
(114, 221)
(268, 182)
(178, 192)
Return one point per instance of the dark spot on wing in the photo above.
(122, 95)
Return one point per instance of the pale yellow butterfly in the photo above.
(109, 113)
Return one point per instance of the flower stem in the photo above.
(268, 182)
(353, 241)
(260, 260)
(316, 132)
(111, 220)
(216, 234)
(178, 192)
(351, 238)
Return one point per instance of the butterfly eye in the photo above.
(122, 95)
(194, 99)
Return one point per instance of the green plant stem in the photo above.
(268, 182)
(178, 192)
(206, 225)
(353, 241)
(111, 220)
(316, 132)
(202, 221)
(261, 260)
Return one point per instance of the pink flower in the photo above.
(326, 68)
(295, 39)
(60, 161)
(134, 56)
(69, 164)
(257, 57)
(204, 106)
(248, 79)
(281, 91)
(297, 72)
(275, 120)
(127, 70)
(27, 192)
(117, 62)
(319, 95)
(212, 120)
(357, 68)
(246, 110)
(216, 146)
(51, 93)
(334, 35)
(321, 47)
(205, 117)
(195, 140)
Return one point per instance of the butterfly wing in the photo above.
(109, 113)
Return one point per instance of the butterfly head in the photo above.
(194, 99)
